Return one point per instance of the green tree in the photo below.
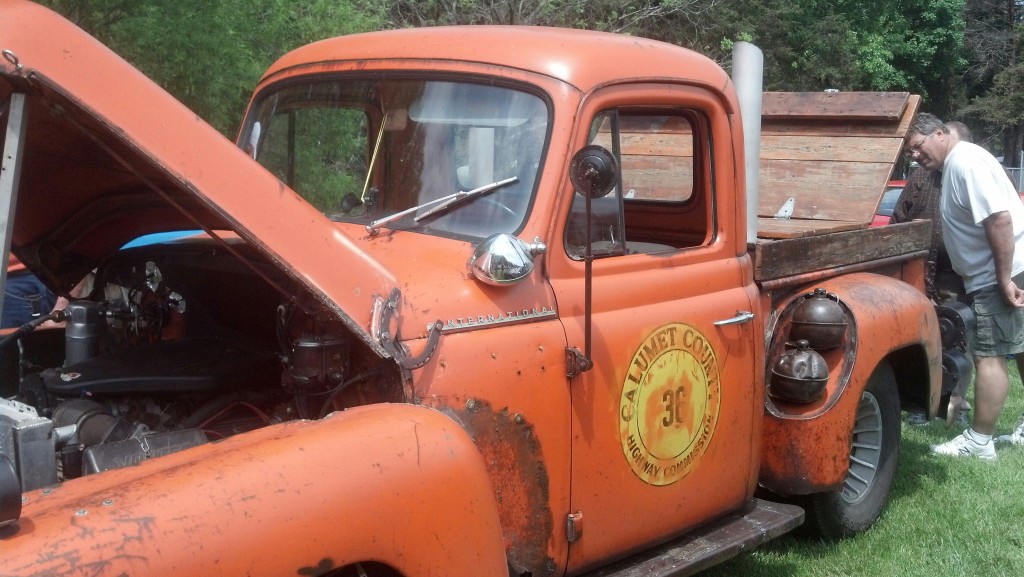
(210, 54)
(625, 16)
(995, 38)
(912, 45)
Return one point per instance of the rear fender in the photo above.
(807, 446)
(395, 484)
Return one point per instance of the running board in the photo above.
(710, 545)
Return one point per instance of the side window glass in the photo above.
(662, 201)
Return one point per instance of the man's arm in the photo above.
(999, 231)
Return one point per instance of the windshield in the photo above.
(372, 150)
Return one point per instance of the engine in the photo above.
(175, 346)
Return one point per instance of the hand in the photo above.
(62, 303)
(956, 404)
(1013, 294)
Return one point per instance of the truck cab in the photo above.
(633, 448)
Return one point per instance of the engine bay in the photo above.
(171, 346)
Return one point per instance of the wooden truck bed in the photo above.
(832, 153)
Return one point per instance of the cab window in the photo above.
(405, 151)
(661, 202)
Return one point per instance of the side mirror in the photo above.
(502, 259)
(593, 171)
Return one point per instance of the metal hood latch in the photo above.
(387, 335)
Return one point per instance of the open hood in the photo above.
(108, 156)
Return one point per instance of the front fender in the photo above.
(396, 484)
(807, 447)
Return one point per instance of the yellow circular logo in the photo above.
(669, 405)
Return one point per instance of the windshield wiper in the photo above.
(442, 204)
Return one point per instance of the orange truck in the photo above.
(470, 301)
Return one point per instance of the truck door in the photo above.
(666, 423)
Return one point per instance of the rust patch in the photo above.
(515, 466)
(793, 466)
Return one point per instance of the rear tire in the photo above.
(874, 453)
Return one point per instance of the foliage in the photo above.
(990, 37)
(952, 52)
(1003, 104)
(330, 160)
(210, 54)
(640, 17)
(995, 41)
(904, 45)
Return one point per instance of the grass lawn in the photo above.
(946, 517)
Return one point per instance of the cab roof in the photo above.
(582, 58)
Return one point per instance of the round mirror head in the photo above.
(593, 171)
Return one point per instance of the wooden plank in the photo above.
(780, 258)
(651, 124)
(658, 177)
(830, 147)
(775, 228)
(823, 127)
(842, 126)
(837, 191)
(887, 106)
(908, 114)
(657, 144)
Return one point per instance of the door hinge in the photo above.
(576, 362)
(574, 526)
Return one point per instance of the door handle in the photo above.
(741, 317)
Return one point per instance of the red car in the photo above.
(893, 189)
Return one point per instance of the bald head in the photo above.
(959, 131)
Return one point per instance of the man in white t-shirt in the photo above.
(983, 230)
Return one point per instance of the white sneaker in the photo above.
(964, 446)
(1017, 436)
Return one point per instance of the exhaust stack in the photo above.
(747, 77)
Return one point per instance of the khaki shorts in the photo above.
(1000, 326)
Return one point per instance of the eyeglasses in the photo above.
(915, 149)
